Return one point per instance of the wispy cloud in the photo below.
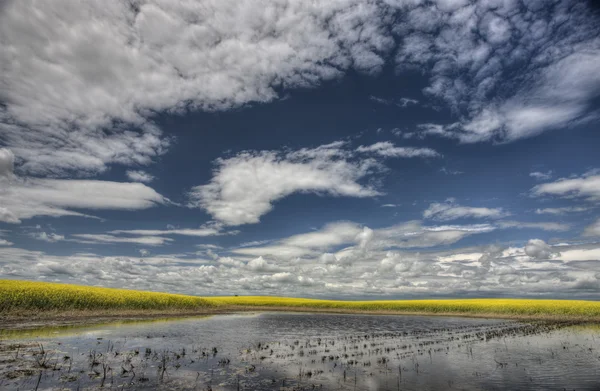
(24, 198)
(204, 231)
(593, 229)
(389, 150)
(47, 237)
(109, 239)
(403, 102)
(546, 226)
(541, 176)
(562, 210)
(586, 186)
(139, 176)
(451, 211)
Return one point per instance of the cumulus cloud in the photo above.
(507, 69)
(479, 270)
(586, 186)
(139, 176)
(388, 149)
(348, 242)
(538, 249)
(451, 211)
(203, 55)
(261, 265)
(245, 186)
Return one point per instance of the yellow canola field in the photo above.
(28, 295)
(515, 307)
(42, 296)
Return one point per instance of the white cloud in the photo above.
(331, 235)
(358, 241)
(579, 254)
(402, 102)
(24, 198)
(487, 270)
(7, 161)
(586, 186)
(162, 56)
(546, 226)
(69, 109)
(593, 229)
(382, 101)
(538, 249)
(405, 102)
(276, 251)
(541, 176)
(414, 234)
(387, 149)
(261, 265)
(139, 176)
(452, 211)
(205, 230)
(244, 187)
(508, 70)
(562, 210)
(27, 198)
(106, 239)
(47, 237)
(450, 172)
(4, 242)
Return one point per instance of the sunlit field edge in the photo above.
(30, 296)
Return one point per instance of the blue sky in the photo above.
(328, 149)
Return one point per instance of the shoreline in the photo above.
(31, 320)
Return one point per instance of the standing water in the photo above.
(293, 351)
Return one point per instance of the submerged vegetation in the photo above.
(27, 296)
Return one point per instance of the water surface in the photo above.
(299, 351)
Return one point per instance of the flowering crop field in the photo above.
(513, 307)
(27, 295)
(42, 296)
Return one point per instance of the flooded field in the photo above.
(292, 351)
